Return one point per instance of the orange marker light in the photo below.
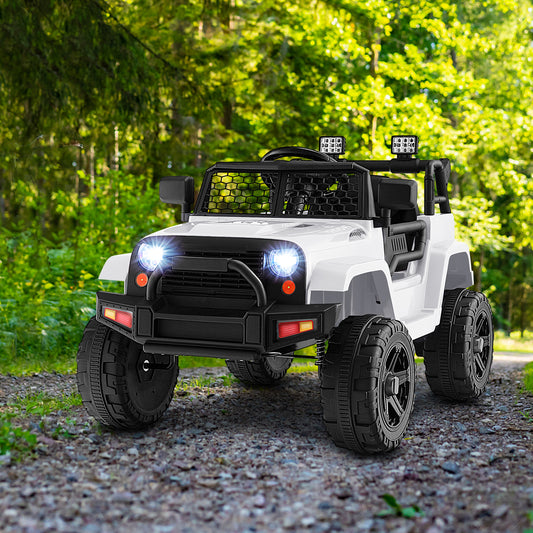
(141, 279)
(288, 287)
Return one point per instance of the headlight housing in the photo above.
(283, 262)
(150, 256)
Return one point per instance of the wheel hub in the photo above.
(478, 344)
(392, 385)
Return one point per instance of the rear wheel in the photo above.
(458, 354)
(120, 385)
(367, 384)
(266, 371)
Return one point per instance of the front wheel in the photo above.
(458, 354)
(367, 383)
(121, 386)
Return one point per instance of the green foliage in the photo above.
(15, 440)
(41, 405)
(413, 511)
(529, 515)
(185, 385)
(528, 377)
(158, 88)
(48, 286)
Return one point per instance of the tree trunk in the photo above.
(375, 47)
(477, 285)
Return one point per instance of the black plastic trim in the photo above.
(193, 331)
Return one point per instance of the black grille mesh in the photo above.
(241, 193)
(322, 195)
(214, 284)
(316, 194)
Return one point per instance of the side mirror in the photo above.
(178, 190)
(396, 194)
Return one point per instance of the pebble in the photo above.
(451, 467)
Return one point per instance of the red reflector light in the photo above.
(141, 279)
(124, 318)
(286, 329)
(288, 286)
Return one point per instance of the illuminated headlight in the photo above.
(150, 256)
(283, 263)
(404, 144)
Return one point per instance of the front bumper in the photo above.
(167, 325)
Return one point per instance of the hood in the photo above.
(307, 233)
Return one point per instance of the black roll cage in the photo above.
(437, 173)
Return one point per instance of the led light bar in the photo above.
(333, 145)
(124, 318)
(287, 329)
(404, 145)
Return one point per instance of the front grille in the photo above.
(214, 284)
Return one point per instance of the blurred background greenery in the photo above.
(98, 100)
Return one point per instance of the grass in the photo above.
(15, 441)
(528, 377)
(41, 405)
(513, 342)
(205, 382)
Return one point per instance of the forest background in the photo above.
(98, 100)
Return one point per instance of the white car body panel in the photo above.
(345, 263)
(116, 268)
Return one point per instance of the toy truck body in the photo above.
(282, 255)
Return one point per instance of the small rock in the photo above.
(259, 501)
(486, 431)
(500, 511)
(133, 451)
(324, 506)
(288, 522)
(307, 521)
(94, 438)
(208, 483)
(451, 467)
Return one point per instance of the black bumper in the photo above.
(167, 325)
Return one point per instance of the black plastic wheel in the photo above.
(120, 385)
(267, 371)
(367, 382)
(458, 354)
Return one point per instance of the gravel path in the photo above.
(235, 459)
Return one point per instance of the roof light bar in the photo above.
(333, 145)
(404, 146)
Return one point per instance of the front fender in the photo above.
(360, 288)
(116, 268)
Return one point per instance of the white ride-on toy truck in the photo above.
(280, 255)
